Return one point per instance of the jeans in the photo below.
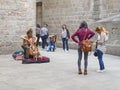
(51, 47)
(38, 37)
(44, 41)
(65, 44)
(80, 59)
(100, 59)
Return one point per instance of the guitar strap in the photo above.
(85, 34)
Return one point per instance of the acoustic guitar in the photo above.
(33, 48)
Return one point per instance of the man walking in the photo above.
(44, 35)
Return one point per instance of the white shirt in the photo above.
(64, 33)
(101, 41)
(43, 31)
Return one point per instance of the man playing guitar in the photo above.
(29, 45)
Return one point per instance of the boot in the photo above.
(85, 72)
(79, 71)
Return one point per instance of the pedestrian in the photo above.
(65, 37)
(38, 34)
(82, 33)
(101, 46)
(44, 33)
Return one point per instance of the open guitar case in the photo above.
(43, 59)
(19, 56)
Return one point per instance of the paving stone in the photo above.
(59, 74)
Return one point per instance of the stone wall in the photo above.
(109, 8)
(15, 17)
(72, 12)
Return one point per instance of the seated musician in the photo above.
(29, 45)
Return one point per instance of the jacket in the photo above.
(82, 34)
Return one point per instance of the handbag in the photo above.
(95, 53)
(86, 44)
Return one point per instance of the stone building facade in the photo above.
(16, 15)
(72, 12)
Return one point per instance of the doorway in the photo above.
(39, 13)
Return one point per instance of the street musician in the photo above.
(29, 45)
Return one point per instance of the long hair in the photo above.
(83, 25)
(65, 26)
(105, 31)
(102, 29)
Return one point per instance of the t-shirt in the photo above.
(64, 33)
(43, 31)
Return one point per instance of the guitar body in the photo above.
(33, 48)
(31, 52)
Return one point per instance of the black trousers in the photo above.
(38, 37)
(44, 41)
(26, 49)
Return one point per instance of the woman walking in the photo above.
(82, 33)
(65, 37)
(101, 47)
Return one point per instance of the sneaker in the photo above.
(100, 71)
(67, 51)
